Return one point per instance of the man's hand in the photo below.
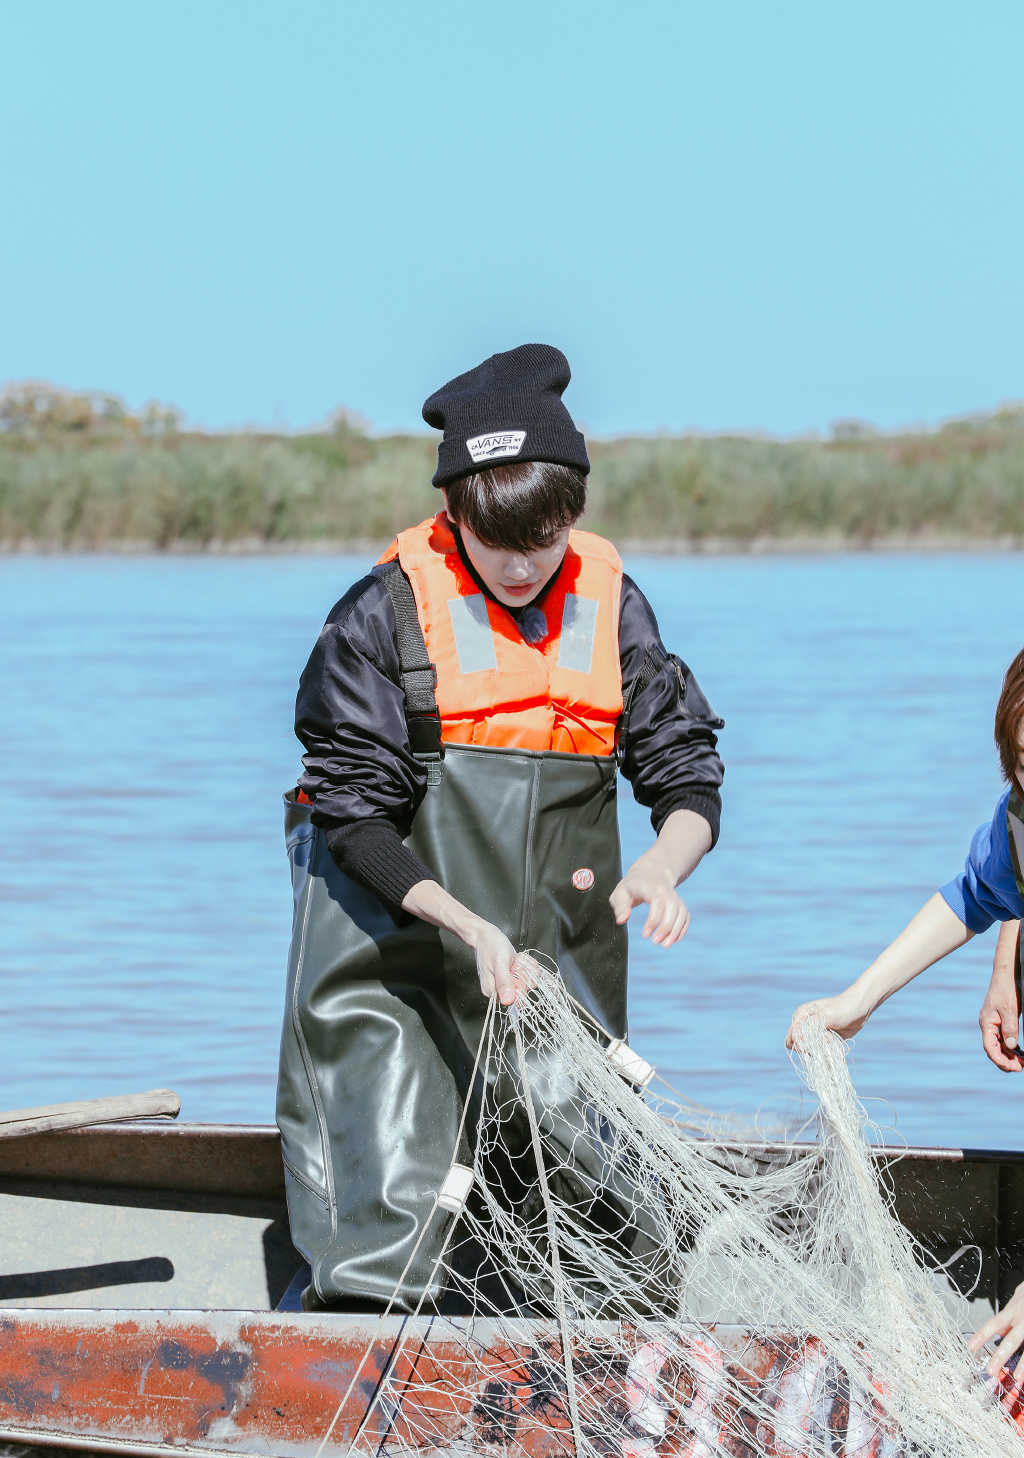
(1008, 1324)
(653, 877)
(999, 1017)
(648, 883)
(501, 969)
(845, 1014)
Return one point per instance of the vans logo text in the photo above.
(498, 443)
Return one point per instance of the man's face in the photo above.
(515, 578)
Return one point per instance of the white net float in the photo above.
(455, 1188)
(622, 1058)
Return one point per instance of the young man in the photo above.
(464, 714)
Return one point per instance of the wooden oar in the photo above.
(156, 1103)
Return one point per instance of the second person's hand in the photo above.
(999, 1018)
(930, 934)
(845, 1013)
(1008, 1326)
(998, 1021)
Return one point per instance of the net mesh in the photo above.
(616, 1285)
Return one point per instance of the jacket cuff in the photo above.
(703, 802)
(374, 854)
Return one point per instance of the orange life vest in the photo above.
(562, 692)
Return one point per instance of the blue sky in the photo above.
(751, 216)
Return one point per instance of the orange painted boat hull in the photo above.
(236, 1383)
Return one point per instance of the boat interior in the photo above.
(157, 1215)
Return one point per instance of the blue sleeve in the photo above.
(986, 889)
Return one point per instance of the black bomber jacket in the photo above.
(366, 785)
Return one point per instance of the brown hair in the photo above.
(1010, 716)
(520, 507)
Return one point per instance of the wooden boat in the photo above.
(149, 1294)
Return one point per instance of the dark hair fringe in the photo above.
(520, 507)
(1010, 717)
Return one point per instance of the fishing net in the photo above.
(616, 1285)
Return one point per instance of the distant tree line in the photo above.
(80, 471)
(36, 411)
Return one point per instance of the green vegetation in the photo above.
(79, 472)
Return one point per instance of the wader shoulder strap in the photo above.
(1015, 832)
(418, 674)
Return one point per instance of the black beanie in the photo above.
(507, 409)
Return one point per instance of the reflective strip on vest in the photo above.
(576, 640)
(474, 642)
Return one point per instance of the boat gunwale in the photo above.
(245, 1159)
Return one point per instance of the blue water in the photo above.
(146, 739)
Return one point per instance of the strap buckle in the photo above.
(425, 734)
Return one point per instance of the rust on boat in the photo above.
(212, 1381)
(235, 1383)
